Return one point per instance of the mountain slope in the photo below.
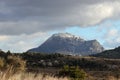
(113, 54)
(68, 44)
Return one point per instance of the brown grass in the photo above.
(10, 75)
(33, 76)
(28, 76)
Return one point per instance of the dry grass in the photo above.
(28, 76)
(33, 76)
(9, 75)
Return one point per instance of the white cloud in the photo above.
(20, 43)
(112, 38)
(3, 38)
(112, 33)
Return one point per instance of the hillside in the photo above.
(113, 54)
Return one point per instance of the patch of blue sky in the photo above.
(87, 33)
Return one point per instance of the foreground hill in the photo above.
(113, 53)
(69, 44)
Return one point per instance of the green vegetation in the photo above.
(75, 73)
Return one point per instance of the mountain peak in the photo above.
(63, 35)
(68, 44)
(66, 35)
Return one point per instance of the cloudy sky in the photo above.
(25, 24)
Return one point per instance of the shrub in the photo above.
(17, 63)
(75, 73)
(2, 63)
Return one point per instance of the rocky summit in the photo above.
(67, 43)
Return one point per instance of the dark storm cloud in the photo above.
(29, 16)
